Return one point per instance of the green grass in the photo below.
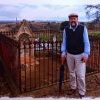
(59, 36)
(95, 33)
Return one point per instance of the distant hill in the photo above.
(42, 25)
(6, 22)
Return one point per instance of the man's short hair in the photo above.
(73, 15)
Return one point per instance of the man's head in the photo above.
(73, 19)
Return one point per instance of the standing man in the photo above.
(76, 48)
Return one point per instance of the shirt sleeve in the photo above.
(63, 45)
(86, 42)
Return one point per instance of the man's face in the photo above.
(73, 21)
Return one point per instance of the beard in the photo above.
(73, 24)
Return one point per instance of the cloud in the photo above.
(8, 11)
(55, 7)
(51, 12)
(13, 11)
(43, 9)
(52, 2)
(34, 12)
(42, 12)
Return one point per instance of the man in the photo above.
(76, 48)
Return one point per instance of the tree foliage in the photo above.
(93, 11)
(63, 25)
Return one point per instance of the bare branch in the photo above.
(93, 11)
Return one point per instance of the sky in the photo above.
(43, 10)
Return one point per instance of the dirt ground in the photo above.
(92, 81)
(4, 90)
(93, 89)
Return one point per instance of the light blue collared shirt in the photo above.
(85, 39)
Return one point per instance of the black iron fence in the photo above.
(40, 63)
(93, 64)
(34, 65)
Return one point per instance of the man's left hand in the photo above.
(84, 59)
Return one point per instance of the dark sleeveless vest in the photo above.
(75, 42)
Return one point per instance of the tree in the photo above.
(63, 25)
(66, 23)
(93, 11)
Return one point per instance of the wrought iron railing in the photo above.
(40, 63)
(34, 65)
